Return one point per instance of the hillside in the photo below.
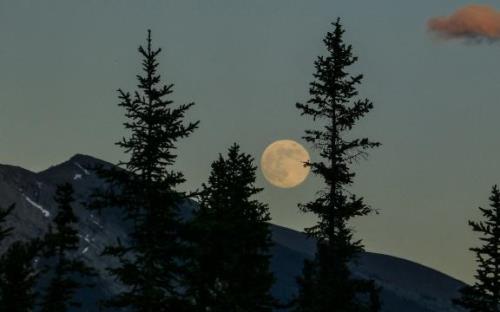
(407, 286)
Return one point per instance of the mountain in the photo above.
(407, 286)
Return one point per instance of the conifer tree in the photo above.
(144, 187)
(4, 213)
(67, 272)
(230, 271)
(484, 295)
(327, 283)
(18, 277)
(4, 233)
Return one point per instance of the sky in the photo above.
(433, 78)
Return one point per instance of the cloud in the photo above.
(472, 22)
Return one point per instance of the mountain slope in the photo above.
(407, 286)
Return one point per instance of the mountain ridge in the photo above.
(406, 284)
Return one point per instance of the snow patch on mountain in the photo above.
(44, 211)
(94, 220)
(83, 169)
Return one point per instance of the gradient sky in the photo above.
(245, 64)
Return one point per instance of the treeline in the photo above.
(219, 258)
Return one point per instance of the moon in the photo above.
(282, 163)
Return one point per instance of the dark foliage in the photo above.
(144, 187)
(66, 271)
(230, 268)
(484, 295)
(4, 213)
(18, 277)
(327, 283)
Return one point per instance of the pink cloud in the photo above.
(477, 22)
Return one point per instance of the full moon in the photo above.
(282, 163)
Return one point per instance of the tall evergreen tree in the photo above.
(67, 272)
(230, 271)
(4, 230)
(484, 295)
(18, 277)
(327, 283)
(144, 187)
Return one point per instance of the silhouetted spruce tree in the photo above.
(67, 272)
(4, 233)
(4, 230)
(327, 283)
(231, 270)
(373, 290)
(144, 187)
(484, 295)
(18, 277)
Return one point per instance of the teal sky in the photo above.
(245, 64)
